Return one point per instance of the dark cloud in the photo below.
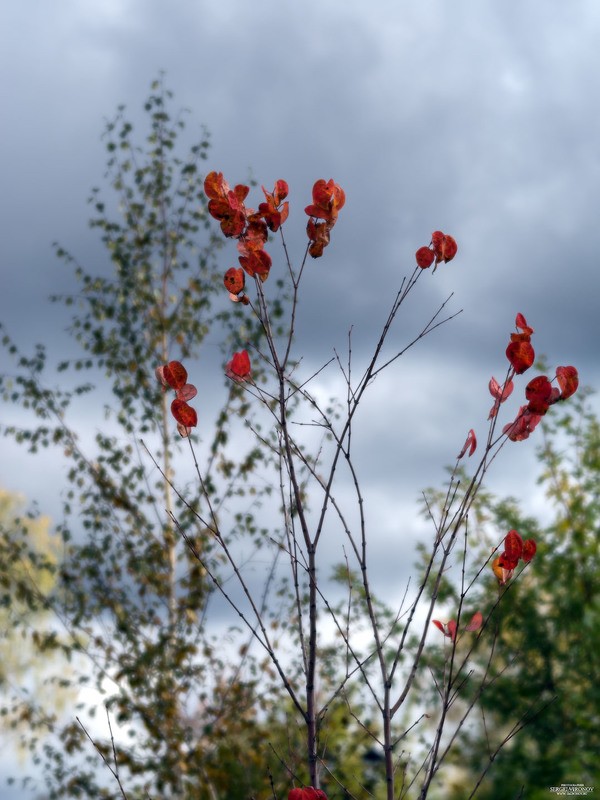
(479, 119)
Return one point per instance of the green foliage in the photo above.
(543, 676)
(194, 711)
(129, 592)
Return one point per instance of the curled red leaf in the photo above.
(447, 628)
(500, 393)
(521, 324)
(444, 247)
(328, 199)
(568, 380)
(470, 444)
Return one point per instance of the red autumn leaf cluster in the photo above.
(515, 549)
(308, 793)
(239, 369)
(328, 199)
(174, 375)
(249, 227)
(442, 248)
(539, 392)
(450, 628)
(275, 211)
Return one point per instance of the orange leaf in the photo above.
(318, 236)
(328, 199)
(503, 574)
(215, 185)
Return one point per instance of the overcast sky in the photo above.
(477, 118)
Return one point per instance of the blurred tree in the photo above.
(194, 712)
(127, 590)
(539, 724)
(26, 547)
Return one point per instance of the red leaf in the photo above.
(524, 424)
(234, 280)
(444, 247)
(447, 628)
(500, 393)
(280, 191)
(521, 355)
(274, 211)
(215, 185)
(470, 444)
(513, 546)
(506, 562)
(318, 236)
(328, 199)
(256, 262)
(539, 394)
(187, 392)
(308, 793)
(529, 550)
(184, 414)
(175, 374)
(449, 248)
(437, 240)
(425, 257)
(239, 369)
(521, 324)
(452, 629)
(476, 622)
(568, 380)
